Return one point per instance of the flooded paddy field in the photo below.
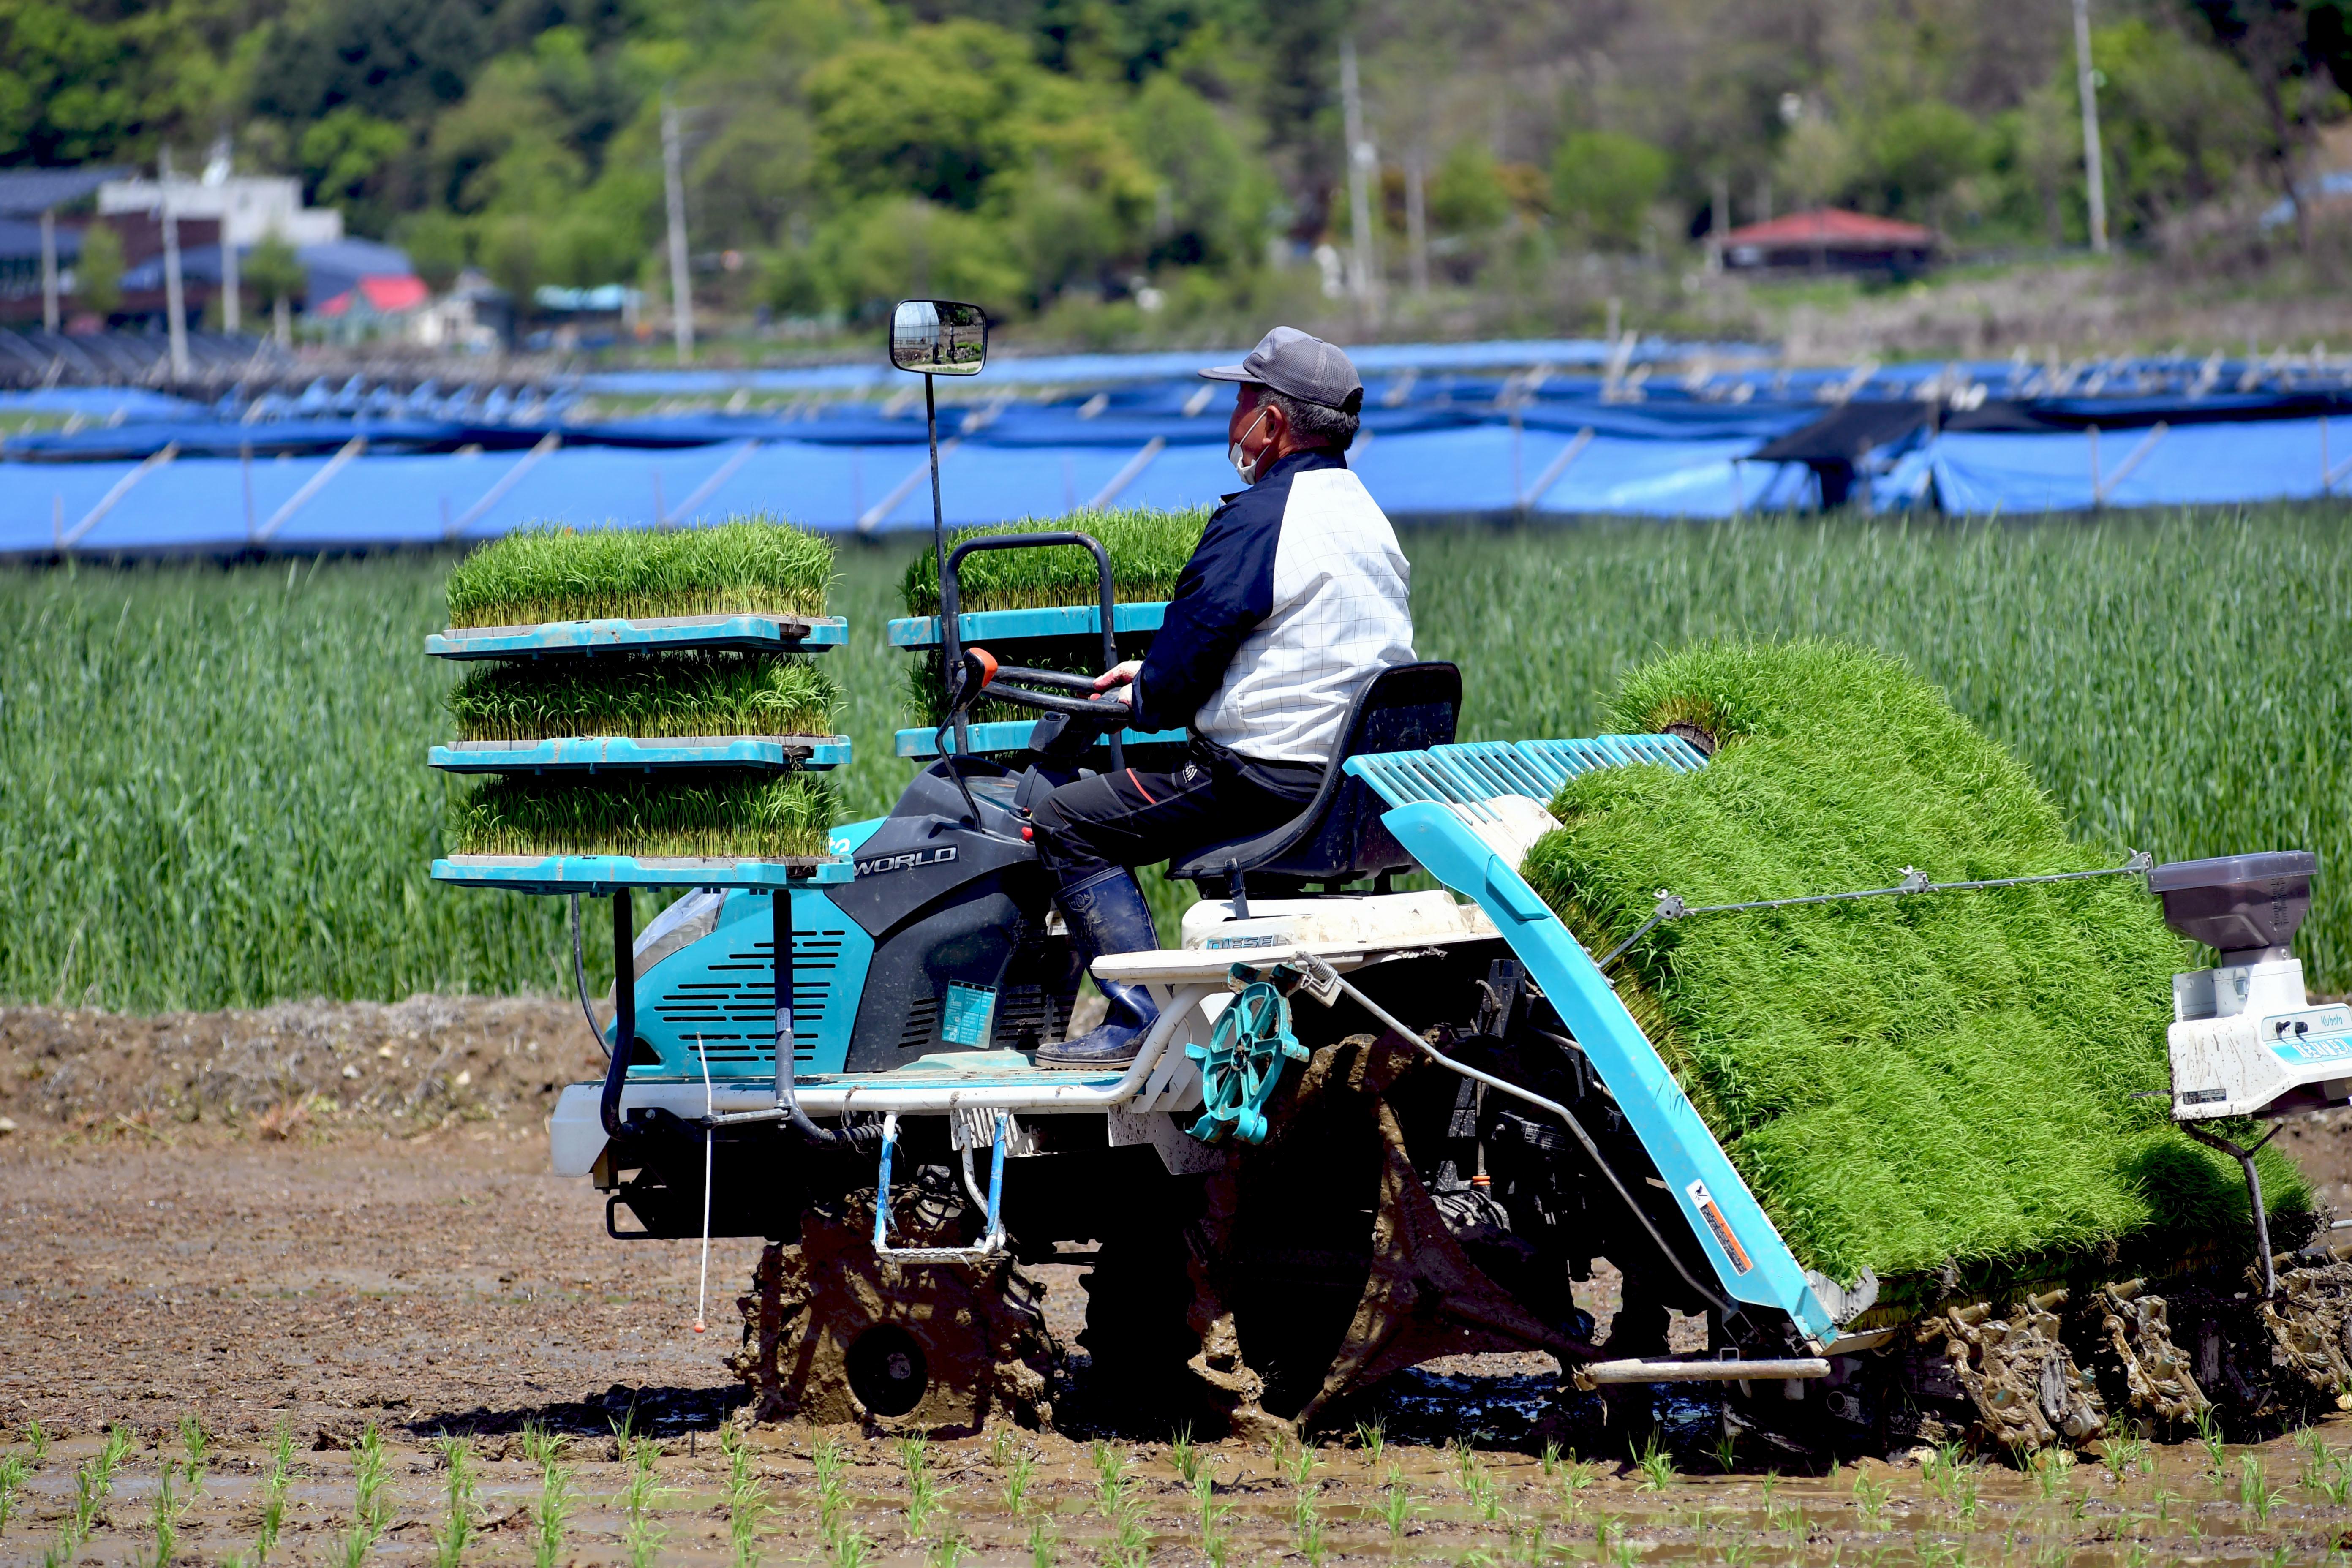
(329, 1317)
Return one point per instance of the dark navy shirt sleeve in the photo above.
(1225, 590)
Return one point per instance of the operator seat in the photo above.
(1339, 837)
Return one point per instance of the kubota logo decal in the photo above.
(907, 862)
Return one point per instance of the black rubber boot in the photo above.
(1106, 914)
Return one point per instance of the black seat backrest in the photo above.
(1338, 837)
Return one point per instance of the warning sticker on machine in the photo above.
(969, 1013)
(2319, 1035)
(1704, 1200)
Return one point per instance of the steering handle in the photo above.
(980, 674)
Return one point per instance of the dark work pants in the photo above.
(1131, 818)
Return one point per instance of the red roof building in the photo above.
(1829, 239)
(378, 294)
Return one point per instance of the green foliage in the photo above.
(1604, 182)
(2176, 122)
(1147, 548)
(667, 694)
(714, 813)
(745, 565)
(1901, 1082)
(98, 275)
(1467, 194)
(273, 271)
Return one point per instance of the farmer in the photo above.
(1294, 601)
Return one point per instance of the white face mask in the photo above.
(1247, 468)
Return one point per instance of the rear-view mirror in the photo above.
(939, 337)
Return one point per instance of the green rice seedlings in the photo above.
(714, 813)
(14, 1470)
(2208, 1432)
(2254, 1493)
(273, 1500)
(850, 1549)
(163, 1519)
(1870, 1499)
(1372, 1438)
(1836, 767)
(647, 697)
(1148, 549)
(37, 1442)
(641, 1539)
(1184, 1455)
(551, 1513)
(371, 1509)
(1016, 1483)
(747, 1500)
(1306, 1516)
(1727, 1450)
(1397, 1510)
(950, 1550)
(542, 1446)
(832, 1496)
(1041, 1545)
(751, 565)
(1656, 1464)
(999, 1445)
(923, 1490)
(1216, 1535)
(1575, 1476)
(2124, 1457)
(196, 1443)
(457, 1523)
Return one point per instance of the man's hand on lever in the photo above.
(1120, 674)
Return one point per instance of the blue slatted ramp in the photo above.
(1473, 772)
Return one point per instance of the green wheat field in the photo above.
(213, 788)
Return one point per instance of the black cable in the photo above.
(580, 978)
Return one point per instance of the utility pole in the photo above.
(1416, 218)
(220, 169)
(2094, 173)
(49, 271)
(174, 301)
(1363, 161)
(681, 289)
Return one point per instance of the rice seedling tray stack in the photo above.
(1959, 1093)
(1041, 608)
(644, 708)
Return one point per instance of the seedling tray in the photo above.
(599, 875)
(1059, 621)
(606, 753)
(752, 634)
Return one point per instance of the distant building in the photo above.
(377, 305)
(1827, 239)
(250, 207)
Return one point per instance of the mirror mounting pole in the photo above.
(951, 611)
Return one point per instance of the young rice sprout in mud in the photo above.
(1655, 1463)
(14, 1469)
(456, 1530)
(1371, 1437)
(550, 1514)
(163, 1519)
(1016, 1483)
(1397, 1506)
(923, 1490)
(2254, 1492)
(1212, 1515)
(273, 1500)
(1184, 1455)
(1041, 1545)
(37, 1443)
(639, 1537)
(371, 1511)
(196, 1443)
(833, 1527)
(747, 1500)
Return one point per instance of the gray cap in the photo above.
(1297, 366)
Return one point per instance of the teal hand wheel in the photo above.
(1242, 1064)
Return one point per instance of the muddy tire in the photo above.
(834, 1334)
(1139, 1333)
